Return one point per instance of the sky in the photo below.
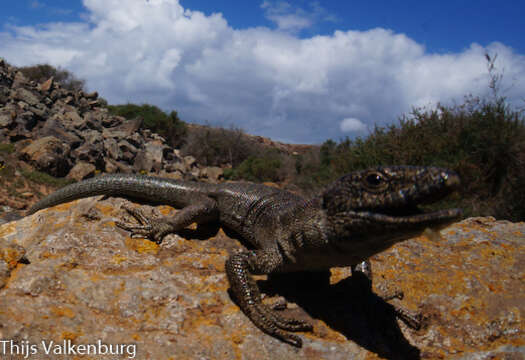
(299, 72)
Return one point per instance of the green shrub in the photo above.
(167, 125)
(217, 146)
(482, 140)
(258, 169)
(42, 72)
(7, 148)
(43, 178)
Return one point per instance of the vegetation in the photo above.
(167, 125)
(484, 141)
(46, 179)
(42, 72)
(7, 148)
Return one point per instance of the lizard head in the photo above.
(388, 197)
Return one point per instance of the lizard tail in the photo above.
(169, 191)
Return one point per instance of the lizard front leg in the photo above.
(155, 229)
(239, 268)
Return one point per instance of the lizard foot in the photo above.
(411, 319)
(154, 229)
(278, 325)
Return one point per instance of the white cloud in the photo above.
(268, 82)
(294, 19)
(352, 125)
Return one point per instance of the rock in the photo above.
(6, 118)
(111, 148)
(27, 96)
(126, 129)
(81, 170)
(213, 173)
(176, 166)
(48, 154)
(54, 127)
(150, 158)
(177, 175)
(10, 255)
(92, 95)
(74, 118)
(189, 161)
(19, 80)
(46, 85)
(112, 166)
(127, 150)
(82, 276)
(155, 151)
(90, 152)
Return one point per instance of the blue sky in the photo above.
(300, 71)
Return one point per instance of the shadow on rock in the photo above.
(349, 307)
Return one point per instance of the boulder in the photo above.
(81, 170)
(48, 154)
(73, 275)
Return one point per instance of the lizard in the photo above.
(359, 215)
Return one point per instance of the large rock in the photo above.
(72, 275)
(81, 170)
(27, 96)
(48, 154)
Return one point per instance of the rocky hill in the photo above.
(64, 133)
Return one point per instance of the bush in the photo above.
(41, 72)
(218, 146)
(167, 125)
(482, 140)
(258, 169)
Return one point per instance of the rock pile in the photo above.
(70, 133)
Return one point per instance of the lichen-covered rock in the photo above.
(75, 276)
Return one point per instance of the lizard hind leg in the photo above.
(157, 228)
(244, 288)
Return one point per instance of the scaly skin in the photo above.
(359, 215)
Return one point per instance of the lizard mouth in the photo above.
(413, 215)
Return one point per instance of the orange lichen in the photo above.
(62, 311)
(142, 246)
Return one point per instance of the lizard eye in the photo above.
(375, 181)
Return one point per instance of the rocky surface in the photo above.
(46, 129)
(54, 130)
(69, 274)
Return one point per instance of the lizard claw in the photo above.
(278, 325)
(411, 319)
(153, 229)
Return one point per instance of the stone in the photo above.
(27, 96)
(128, 128)
(46, 85)
(111, 148)
(92, 95)
(213, 173)
(71, 271)
(81, 170)
(54, 127)
(189, 161)
(74, 118)
(48, 154)
(6, 118)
